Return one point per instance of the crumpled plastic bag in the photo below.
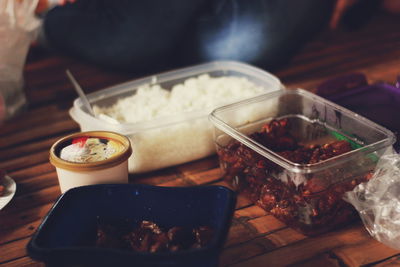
(378, 201)
(18, 27)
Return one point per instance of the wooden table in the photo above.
(255, 238)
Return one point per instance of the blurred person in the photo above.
(154, 35)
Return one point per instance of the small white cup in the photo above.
(109, 171)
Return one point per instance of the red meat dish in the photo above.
(312, 204)
(150, 237)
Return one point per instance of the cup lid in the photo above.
(115, 160)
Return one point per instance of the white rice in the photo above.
(199, 93)
(182, 142)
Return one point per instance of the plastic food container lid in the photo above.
(168, 79)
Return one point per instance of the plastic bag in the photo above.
(378, 201)
(18, 27)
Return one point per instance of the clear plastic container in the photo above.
(307, 197)
(171, 140)
(12, 97)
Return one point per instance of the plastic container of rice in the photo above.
(166, 115)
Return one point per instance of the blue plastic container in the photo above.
(379, 102)
(67, 234)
